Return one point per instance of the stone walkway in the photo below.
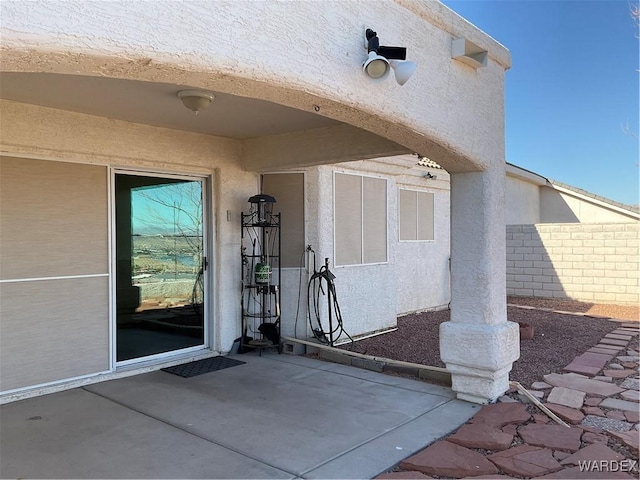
(597, 396)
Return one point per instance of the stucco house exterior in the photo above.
(398, 264)
(94, 135)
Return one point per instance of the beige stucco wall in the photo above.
(457, 121)
(30, 131)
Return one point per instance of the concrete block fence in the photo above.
(596, 263)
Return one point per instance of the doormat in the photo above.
(206, 365)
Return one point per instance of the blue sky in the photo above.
(572, 89)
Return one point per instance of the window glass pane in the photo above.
(374, 220)
(288, 190)
(348, 219)
(425, 217)
(408, 215)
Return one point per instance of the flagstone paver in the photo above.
(590, 437)
(618, 373)
(488, 477)
(578, 382)
(481, 435)
(447, 459)
(608, 424)
(593, 411)
(558, 455)
(590, 358)
(556, 437)
(611, 341)
(633, 417)
(566, 396)
(615, 348)
(630, 439)
(540, 385)
(627, 358)
(601, 350)
(595, 451)
(511, 429)
(540, 418)
(524, 399)
(501, 414)
(579, 368)
(548, 450)
(631, 395)
(526, 461)
(618, 336)
(589, 363)
(619, 404)
(403, 474)
(574, 473)
(569, 415)
(616, 415)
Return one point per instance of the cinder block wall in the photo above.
(588, 262)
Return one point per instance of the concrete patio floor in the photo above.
(277, 416)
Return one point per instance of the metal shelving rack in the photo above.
(261, 274)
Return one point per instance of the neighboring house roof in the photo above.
(511, 168)
(427, 162)
(632, 208)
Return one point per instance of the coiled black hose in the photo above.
(315, 288)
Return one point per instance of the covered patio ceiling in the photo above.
(157, 104)
(273, 136)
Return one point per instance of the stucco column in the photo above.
(478, 345)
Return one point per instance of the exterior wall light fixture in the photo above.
(382, 59)
(195, 100)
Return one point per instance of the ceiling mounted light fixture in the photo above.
(195, 100)
(382, 59)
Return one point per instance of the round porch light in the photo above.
(195, 100)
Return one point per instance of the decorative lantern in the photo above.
(262, 208)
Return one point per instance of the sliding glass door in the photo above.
(160, 265)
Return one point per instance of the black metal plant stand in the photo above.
(261, 274)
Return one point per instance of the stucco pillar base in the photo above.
(479, 358)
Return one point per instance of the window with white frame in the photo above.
(416, 212)
(360, 216)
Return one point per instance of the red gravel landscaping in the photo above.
(557, 339)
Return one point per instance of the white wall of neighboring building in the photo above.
(563, 243)
(523, 201)
(558, 205)
(532, 199)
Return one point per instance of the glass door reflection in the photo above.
(160, 265)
